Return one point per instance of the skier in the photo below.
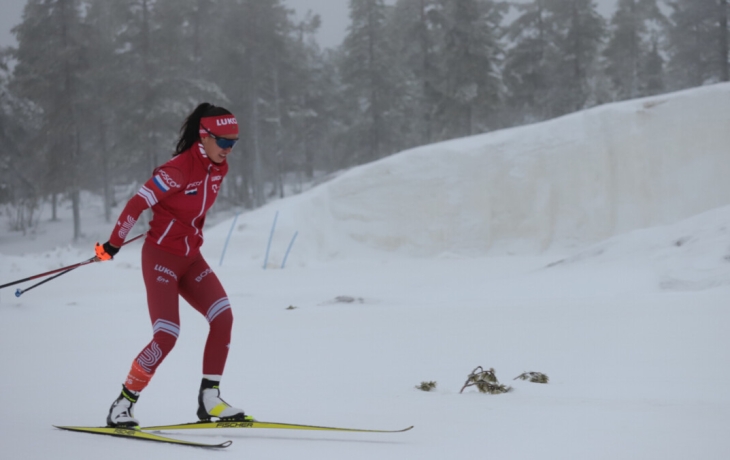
(180, 192)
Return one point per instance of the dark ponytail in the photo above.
(190, 130)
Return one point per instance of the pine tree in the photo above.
(652, 72)
(314, 83)
(527, 66)
(415, 32)
(51, 59)
(250, 64)
(19, 158)
(366, 73)
(576, 31)
(634, 33)
(469, 61)
(103, 102)
(698, 42)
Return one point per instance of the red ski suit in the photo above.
(180, 192)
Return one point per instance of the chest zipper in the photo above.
(167, 230)
(205, 199)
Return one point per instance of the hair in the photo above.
(190, 129)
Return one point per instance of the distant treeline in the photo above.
(96, 90)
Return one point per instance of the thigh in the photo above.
(200, 287)
(162, 272)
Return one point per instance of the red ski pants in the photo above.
(168, 277)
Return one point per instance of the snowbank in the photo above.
(563, 183)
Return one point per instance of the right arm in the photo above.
(165, 181)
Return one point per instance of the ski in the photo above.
(258, 424)
(139, 434)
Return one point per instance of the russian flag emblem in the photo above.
(160, 183)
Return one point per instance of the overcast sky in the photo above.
(334, 14)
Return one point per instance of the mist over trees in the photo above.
(94, 94)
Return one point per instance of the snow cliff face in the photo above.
(571, 181)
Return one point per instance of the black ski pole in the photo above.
(63, 271)
(20, 292)
(40, 275)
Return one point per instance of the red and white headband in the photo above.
(221, 125)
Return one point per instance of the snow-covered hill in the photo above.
(560, 184)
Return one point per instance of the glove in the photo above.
(105, 251)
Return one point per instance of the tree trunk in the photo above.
(76, 207)
(634, 83)
(724, 65)
(148, 145)
(279, 153)
(54, 207)
(426, 77)
(374, 99)
(108, 198)
(67, 109)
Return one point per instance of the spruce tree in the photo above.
(366, 74)
(576, 32)
(469, 60)
(52, 57)
(314, 89)
(415, 32)
(527, 65)
(19, 157)
(633, 35)
(698, 42)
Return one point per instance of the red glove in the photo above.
(105, 251)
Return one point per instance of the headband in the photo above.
(221, 125)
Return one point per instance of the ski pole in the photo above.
(19, 292)
(62, 269)
(40, 275)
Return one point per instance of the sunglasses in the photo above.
(222, 142)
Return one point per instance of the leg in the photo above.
(201, 288)
(161, 272)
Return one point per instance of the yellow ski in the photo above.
(139, 434)
(257, 424)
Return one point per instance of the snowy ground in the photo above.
(630, 328)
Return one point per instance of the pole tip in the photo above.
(18, 292)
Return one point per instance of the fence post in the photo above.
(225, 246)
(271, 236)
(289, 248)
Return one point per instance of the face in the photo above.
(213, 151)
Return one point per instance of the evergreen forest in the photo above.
(93, 96)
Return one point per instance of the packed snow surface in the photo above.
(594, 248)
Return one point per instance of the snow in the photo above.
(592, 248)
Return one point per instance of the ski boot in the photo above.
(121, 413)
(210, 405)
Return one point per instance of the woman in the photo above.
(180, 192)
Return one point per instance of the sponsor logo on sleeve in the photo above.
(126, 227)
(164, 182)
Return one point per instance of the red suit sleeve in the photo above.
(165, 181)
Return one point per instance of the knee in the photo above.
(223, 321)
(219, 314)
(165, 341)
(165, 334)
